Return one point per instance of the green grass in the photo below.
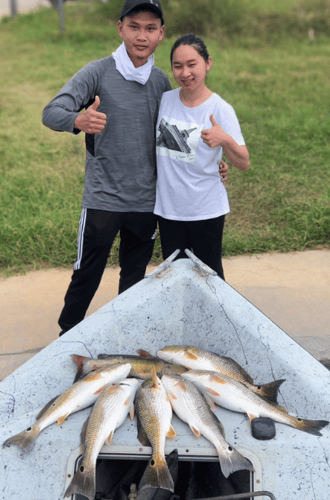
(278, 85)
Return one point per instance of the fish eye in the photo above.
(230, 448)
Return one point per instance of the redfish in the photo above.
(80, 395)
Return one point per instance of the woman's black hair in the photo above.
(194, 41)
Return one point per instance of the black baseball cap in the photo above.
(153, 6)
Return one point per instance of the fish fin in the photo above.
(79, 361)
(221, 428)
(195, 431)
(191, 356)
(213, 392)
(309, 426)
(157, 475)
(83, 483)
(209, 401)
(154, 377)
(171, 432)
(77, 377)
(83, 433)
(62, 418)
(182, 385)
(25, 439)
(252, 417)
(132, 411)
(172, 395)
(245, 375)
(46, 407)
(269, 392)
(99, 391)
(145, 354)
(109, 438)
(231, 461)
(216, 377)
(142, 435)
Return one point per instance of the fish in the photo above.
(109, 412)
(141, 365)
(194, 358)
(154, 413)
(235, 396)
(172, 461)
(79, 396)
(190, 406)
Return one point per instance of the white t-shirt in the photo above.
(188, 181)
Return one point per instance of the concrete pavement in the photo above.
(292, 289)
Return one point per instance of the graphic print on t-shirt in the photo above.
(178, 139)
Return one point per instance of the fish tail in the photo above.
(25, 439)
(232, 461)
(270, 391)
(83, 483)
(157, 475)
(310, 426)
(80, 362)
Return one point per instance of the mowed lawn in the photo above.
(280, 91)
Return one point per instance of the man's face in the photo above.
(141, 34)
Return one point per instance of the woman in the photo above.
(194, 127)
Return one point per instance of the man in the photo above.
(121, 95)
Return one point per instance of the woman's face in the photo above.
(189, 68)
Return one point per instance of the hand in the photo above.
(223, 171)
(215, 135)
(91, 121)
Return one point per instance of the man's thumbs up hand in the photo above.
(213, 136)
(91, 121)
(96, 103)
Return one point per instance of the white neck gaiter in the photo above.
(127, 69)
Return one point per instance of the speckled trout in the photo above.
(141, 365)
(80, 395)
(194, 358)
(109, 412)
(154, 413)
(191, 407)
(233, 395)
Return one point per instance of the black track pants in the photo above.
(97, 231)
(202, 237)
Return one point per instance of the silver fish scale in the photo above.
(103, 419)
(155, 413)
(195, 405)
(81, 394)
(208, 361)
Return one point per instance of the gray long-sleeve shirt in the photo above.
(120, 171)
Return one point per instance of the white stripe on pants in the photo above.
(80, 241)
